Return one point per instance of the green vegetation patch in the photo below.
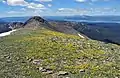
(43, 53)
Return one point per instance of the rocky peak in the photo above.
(35, 22)
(36, 18)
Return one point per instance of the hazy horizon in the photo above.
(60, 16)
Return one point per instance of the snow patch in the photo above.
(6, 33)
(81, 35)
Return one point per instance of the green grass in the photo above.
(59, 52)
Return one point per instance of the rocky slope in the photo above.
(105, 32)
(67, 27)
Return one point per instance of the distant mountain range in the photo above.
(14, 19)
(77, 18)
(95, 18)
(1, 21)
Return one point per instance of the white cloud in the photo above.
(72, 11)
(35, 6)
(90, 11)
(17, 2)
(65, 9)
(23, 9)
(4, 1)
(25, 4)
(27, 8)
(81, 0)
(49, 5)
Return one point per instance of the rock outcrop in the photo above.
(16, 25)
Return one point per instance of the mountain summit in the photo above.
(36, 18)
(36, 22)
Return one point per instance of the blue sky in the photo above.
(9, 8)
